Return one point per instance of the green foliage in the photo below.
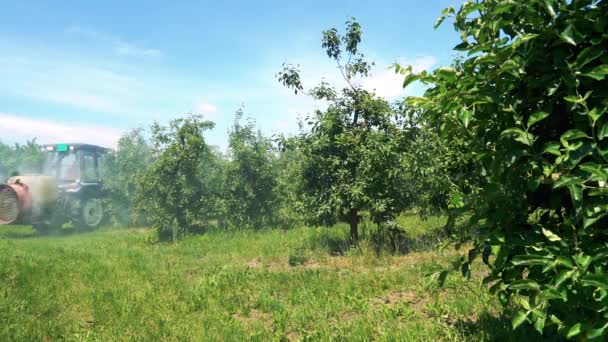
(250, 176)
(298, 256)
(120, 169)
(175, 191)
(351, 152)
(290, 210)
(20, 159)
(529, 103)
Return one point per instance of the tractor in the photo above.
(68, 190)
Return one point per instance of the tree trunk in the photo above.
(354, 225)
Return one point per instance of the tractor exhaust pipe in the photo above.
(15, 203)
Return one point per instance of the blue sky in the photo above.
(88, 71)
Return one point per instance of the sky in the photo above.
(88, 71)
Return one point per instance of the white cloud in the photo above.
(386, 83)
(207, 109)
(126, 49)
(18, 128)
(119, 45)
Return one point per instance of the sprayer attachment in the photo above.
(9, 204)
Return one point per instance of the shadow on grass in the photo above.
(492, 328)
(335, 241)
(27, 232)
(17, 232)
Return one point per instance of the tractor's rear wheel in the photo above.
(91, 213)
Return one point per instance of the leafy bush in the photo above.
(250, 176)
(298, 256)
(529, 101)
(175, 192)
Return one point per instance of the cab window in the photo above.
(89, 167)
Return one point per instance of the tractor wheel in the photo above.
(91, 214)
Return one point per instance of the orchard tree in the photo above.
(250, 176)
(351, 152)
(20, 159)
(120, 170)
(172, 191)
(530, 104)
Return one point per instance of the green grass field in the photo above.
(115, 284)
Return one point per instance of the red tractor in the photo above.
(68, 190)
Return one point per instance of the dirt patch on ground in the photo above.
(293, 336)
(312, 265)
(255, 316)
(339, 262)
(255, 263)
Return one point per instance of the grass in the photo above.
(115, 284)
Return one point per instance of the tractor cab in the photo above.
(73, 165)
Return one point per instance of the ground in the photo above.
(118, 284)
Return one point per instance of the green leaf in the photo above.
(524, 284)
(571, 135)
(595, 114)
(536, 117)
(564, 261)
(593, 334)
(597, 280)
(461, 47)
(573, 99)
(539, 324)
(566, 181)
(410, 78)
(588, 54)
(519, 135)
(576, 192)
(448, 74)
(583, 261)
(551, 235)
(519, 319)
(552, 148)
(575, 330)
(503, 7)
(603, 131)
(549, 7)
(465, 116)
(594, 169)
(566, 35)
(525, 303)
(598, 73)
(563, 276)
(519, 260)
(551, 293)
(444, 14)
